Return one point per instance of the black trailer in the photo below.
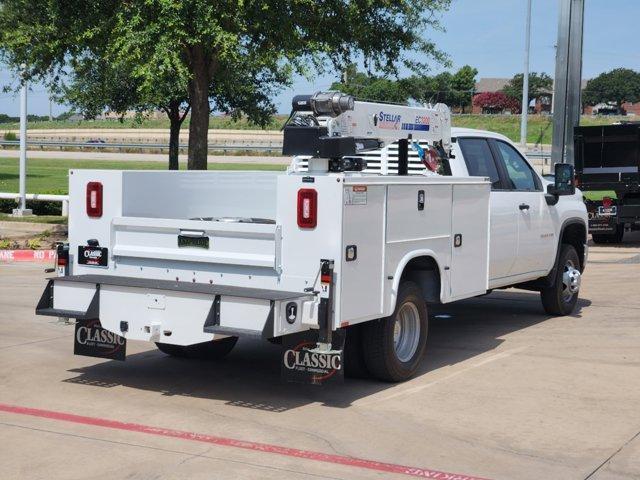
(607, 159)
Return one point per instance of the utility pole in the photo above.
(22, 206)
(525, 80)
(567, 105)
(50, 109)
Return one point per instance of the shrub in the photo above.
(496, 102)
(39, 208)
(10, 136)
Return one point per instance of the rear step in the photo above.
(212, 322)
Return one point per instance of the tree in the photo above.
(539, 84)
(96, 84)
(231, 55)
(454, 89)
(495, 102)
(370, 88)
(463, 85)
(619, 86)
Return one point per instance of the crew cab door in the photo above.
(503, 235)
(524, 193)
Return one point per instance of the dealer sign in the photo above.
(91, 340)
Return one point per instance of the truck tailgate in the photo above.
(246, 244)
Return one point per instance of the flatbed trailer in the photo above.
(607, 162)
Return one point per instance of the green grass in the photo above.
(216, 122)
(49, 219)
(539, 129)
(597, 195)
(51, 175)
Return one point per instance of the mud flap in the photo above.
(91, 340)
(302, 363)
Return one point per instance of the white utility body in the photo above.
(193, 259)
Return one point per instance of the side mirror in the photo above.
(564, 180)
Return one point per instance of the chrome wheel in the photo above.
(571, 279)
(406, 332)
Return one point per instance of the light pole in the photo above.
(568, 79)
(22, 182)
(525, 80)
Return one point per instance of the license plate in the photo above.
(91, 340)
(607, 211)
(186, 241)
(96, 256)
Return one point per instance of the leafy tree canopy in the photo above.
(228, 55)
(539, 84)
(619, 86)
(454, 89)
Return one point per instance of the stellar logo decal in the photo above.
(392, 121)
(389, 121)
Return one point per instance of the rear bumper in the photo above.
(180, 313)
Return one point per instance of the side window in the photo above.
(519, 172)
(480, 163)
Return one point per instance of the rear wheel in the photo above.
(393, 346)
(212, 350)
(615, 237)
(562, 296)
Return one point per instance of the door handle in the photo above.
(523, 206)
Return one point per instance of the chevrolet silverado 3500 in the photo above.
(384, 210)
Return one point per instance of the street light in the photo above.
(525, 80)
(22, 206)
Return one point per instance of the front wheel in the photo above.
(393, 346)
(561, 298)
(213, 350)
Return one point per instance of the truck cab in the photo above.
(527, 225)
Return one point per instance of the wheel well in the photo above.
(575, 234)
(424, 271)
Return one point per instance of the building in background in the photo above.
(543, 103)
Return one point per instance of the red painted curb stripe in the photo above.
(27, 255)
(230, 442)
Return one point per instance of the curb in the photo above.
(10, 256)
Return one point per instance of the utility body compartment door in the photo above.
(470, 241)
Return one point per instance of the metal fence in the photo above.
(43, 197)
(224, 147)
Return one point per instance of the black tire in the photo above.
(609, 237)
(557, 299)
(354, 364)
(379, 350)
(213, 350)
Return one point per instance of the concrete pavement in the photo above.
(505, 392)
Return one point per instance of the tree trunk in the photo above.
(199, 99)
(175, 120)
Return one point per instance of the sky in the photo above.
(486, 34)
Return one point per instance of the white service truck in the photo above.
(384, 210)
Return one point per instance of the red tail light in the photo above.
(94, 199)
(307, 208)
(607, 202)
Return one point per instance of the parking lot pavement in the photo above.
(505, 392)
